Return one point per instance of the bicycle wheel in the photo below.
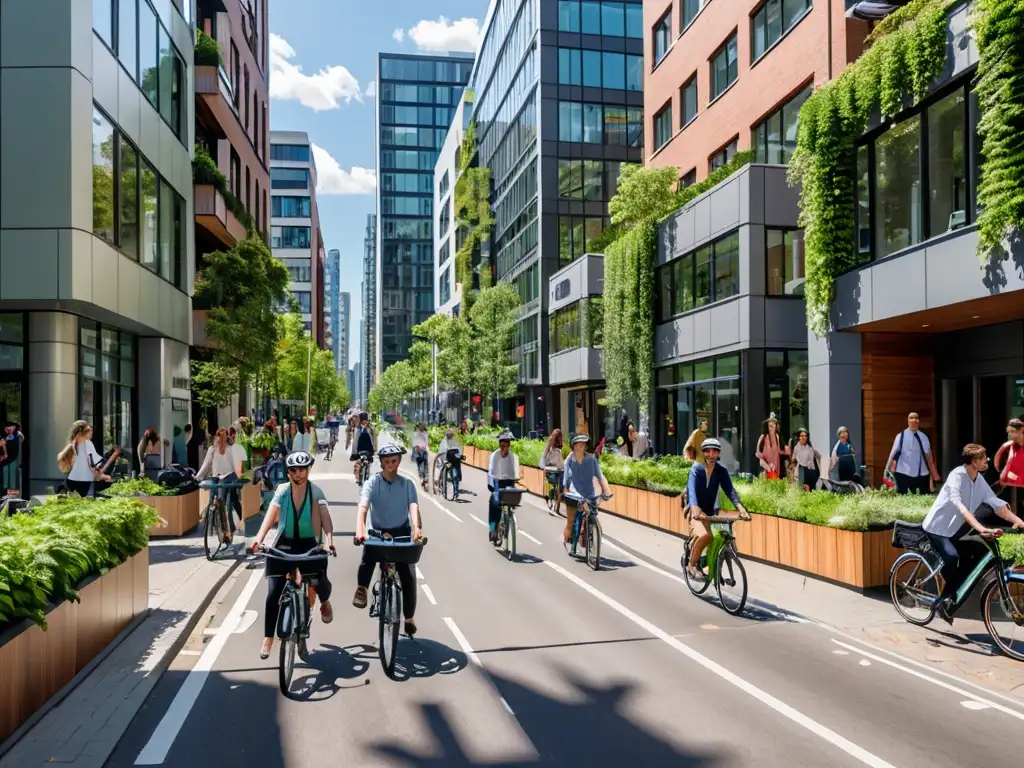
(510, 536)
(388, 619)
(289, 646)
(697, 586)
(913, 593)
(1007, 629)
(731, 582)
(594, 543)
(212, 529)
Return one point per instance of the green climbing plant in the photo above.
(998, 26)
(472, 210)
(907, 53)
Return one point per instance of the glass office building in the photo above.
(416, 99)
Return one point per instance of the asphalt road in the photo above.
(542, 661)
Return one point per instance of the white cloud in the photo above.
(326, 89)
(444, 35)
(399, 35)
(371, 90)
(332, 179)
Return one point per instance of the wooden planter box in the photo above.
(252, 499)
(37, 664)
(180, 512)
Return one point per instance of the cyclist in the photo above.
(224, 462)
(394, 508)
(502, 472)
(420, 449)
(554, 464)
(451, 449)
(954, 513)
(304, 520)
(702, 494)
(578, 479)
(364, 441)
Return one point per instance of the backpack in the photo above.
(920, 445)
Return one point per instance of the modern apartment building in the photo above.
(558, 92)
(447, 289)
(416, 100)
(356, 383)
(331, 309)
(295, 236)
(726, 76)
(368, 325)
(232, 127)
(341, 334)
(96, 240)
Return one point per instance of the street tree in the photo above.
(493, 319)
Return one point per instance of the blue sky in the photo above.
(323, 63)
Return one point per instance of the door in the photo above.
(993, 412)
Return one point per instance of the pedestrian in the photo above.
(81, 463)
(150, 454)
(911, 461)
(420, 452)
(769, 450)
(806, 462)
(11, 448)
(844, 458)
(692, 448)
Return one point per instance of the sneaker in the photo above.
(943, 609)
(359, 599)
(410, 627)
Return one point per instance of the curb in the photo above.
(158, 670)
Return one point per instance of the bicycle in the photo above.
(363, 469)
(554, 499)
(445, 479)
(294, 615)
(588, 535)
(386, 604)
(330, 448)
(215, 518)
(1003, 588)
(507, 528)
(722, 560)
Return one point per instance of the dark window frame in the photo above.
(666, 276)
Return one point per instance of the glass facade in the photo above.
(708, 274)
(107, 385)
(417, 100)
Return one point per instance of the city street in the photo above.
(542, 661)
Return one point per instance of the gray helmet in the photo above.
(391, 449)
(506, 435)
(580, 438)
(711, 442)
(299, 459)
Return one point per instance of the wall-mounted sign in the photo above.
(181, 382)
(177, 404)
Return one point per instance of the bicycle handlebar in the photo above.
(214, 484)
(315, 553)
(726, 518)
(391, 541)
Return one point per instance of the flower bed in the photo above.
(73, 574)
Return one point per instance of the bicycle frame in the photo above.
(585, 510)
(992, 559)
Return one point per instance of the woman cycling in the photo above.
(553, 464)
(303, 519)
(224, 462)
(581, 471)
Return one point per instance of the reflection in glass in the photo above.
(862, 212)
(102, 177)
(947, 175)
(590, 14)
(702, 289)
(148, 54)
(727, 267)
(683, 284)
(126, 34)
(785, 259)
(898, 187)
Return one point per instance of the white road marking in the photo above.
(419, 574)
(482, 522)
(524, 533)
(160, 743)
(975, 705)
(190, 653)
(920, 675)
(765, 698)
(865, 663)
(471, 655)
(841, 653)
(434, 501)
(429, 594)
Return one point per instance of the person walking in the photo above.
(911, 460)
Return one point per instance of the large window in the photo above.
(299, 270)
(772, 21)
(708, 274)
(574, 233)
(774, 138)
(445, 284)
(289, 178)
(624, 126)
(690, 10)
(289, 237)
(579, 324)
(133, 208)
(663, 127)
(601, 18)
(592, 180)
(947, 163)
(597, 69)
(304, 300)
(296, 153)
(290, 207)
(407, 182)
(408, 206)
(107, 375)
(688, 99)
(662, 37)
(784, 258)
(722, 156)
(127, 34)
(724, 68)
(898, 206)
(786, 381)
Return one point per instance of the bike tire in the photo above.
(697, 587)
(510, 537)
(289, 646)
(919, 562)
(989, 596)
(388, 620)
(207, 533)
(729, 563)
(594, 544)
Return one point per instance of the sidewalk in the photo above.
(83, 729)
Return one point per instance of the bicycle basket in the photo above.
(908, 536)
(387, 553)
(510, 498)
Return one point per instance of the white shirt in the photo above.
(85, 459)
(420, 439)
(911, 461)
(553, 458)
(503, 467)
(945, 518)
(302, 442)
(449, 445)
(222, 464)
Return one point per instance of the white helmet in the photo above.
(711, 442)
(298, 459)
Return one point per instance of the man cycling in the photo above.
(393, 506)
(451, 449)
(955, 513)
(304, 521)
(702, 494)
(364, 441)
(502, 472)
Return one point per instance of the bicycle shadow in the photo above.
(331, 664)
(423, 658)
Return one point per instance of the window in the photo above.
(593, 119)
(166, 73)
(727, 267)
(150, 253)
(127, 34)
(590, 18)
(862, 212)
(784, 257)
(288, 178)
(445, 184)
(947, 166)
(897, 208)
(724, 68)
(708, 274)
(774, 138)
(702, 280)
(299, 270)
(564, 329)
(615, 126)
(689, 100)
(149, 54)
(663, 127)
(634, 73)
(168, 233)
(722, 156)
(569, 67)
(613, 71)
(177, 95)
(295, 153)
(446, 286)
(593, 172)
(107, 376)
(613, 19)
(570, 121)
(568, 16)
(445, 253)
(635, 127)
(635, 20)
(408, 206)
(772, 21)
(289, 237)
(102, 177)
(689, 178)
(573, 234)
(445, 218)
(305, 301)
(103, 20)
(662, 37)
(592, 69)
(690, 10)
(570, 179)
(128, 202)
(290, 207)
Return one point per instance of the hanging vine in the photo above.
(998, 26)
(472, 210)
(907, 53)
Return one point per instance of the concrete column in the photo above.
(834, 381)
(52, 395)
(163, 393)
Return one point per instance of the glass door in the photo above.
(12, 469)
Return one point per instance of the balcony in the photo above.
(212, 214)
(216, 110)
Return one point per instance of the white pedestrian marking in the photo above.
(429, 594)
(920, 675)
(471, 655)
(160, 743)
(765, 698)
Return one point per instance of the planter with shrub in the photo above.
(73, 573)
(178, 513)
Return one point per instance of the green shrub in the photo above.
(1012, 547)
(140, 486)
(207, 52)
(45, 553)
